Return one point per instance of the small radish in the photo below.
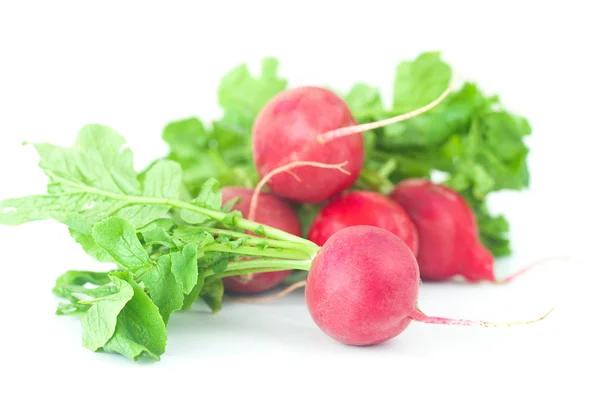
(362, 288)
(363, 208)
(313, 124)
(286, 130)
(449, 242)
(273, 212)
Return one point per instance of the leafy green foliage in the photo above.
(212, 293)
(90, 181)
(162, 287)
(100, 321)
(185, 267)
(139, 328)
(118, 238)
(223, 150)
(77, 285)
(209, 197)
(477, 144)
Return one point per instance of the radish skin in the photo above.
(363, 208)
(286, 130)
(362, 286)
(449, 242)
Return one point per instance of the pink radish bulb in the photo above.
(362, 288)
(287, 130)
(363, 208)
(449, 242)
(273, 212)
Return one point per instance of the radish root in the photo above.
(287, 168)
(418, 315)
(354, 129)
(520, 272)
(274, 296)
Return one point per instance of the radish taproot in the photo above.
(314, 124)
(363, 208)
(449, 242)
(362, 288)
(272, 212)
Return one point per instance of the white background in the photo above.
(136, 66)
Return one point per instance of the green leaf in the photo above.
(75, 285)
(158, 233)
(229, 220)
(99, 322)
(243, 96)
(184, 266)
(81, 230)
(80, 278)
(421, 81)
(139, 328)
(193, 234)
(212, 293)
(364, 100)
(191, 298)
(158, 236)
(163, 288)
(118, 238)
(163, 179)
(209, 197)
(94, 178)
(193, 147)
(215, 260)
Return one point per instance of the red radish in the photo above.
(286, 130)
(273, 212)
(363, 208)
(362, 288)
(448, 234)
(313, 124)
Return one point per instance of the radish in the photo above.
(362, 288)
(363, 208)
(286, 130)
(313, 124)
(273, 212)
(449, 242)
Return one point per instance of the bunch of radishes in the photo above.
(363, 283)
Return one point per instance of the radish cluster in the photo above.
(363, 283)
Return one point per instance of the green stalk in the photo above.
(289, 254)
(376, 182)
(257, 266)
(256, 241)
(242, 223)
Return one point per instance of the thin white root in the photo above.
(520, 272)
(287, 168)
(354, 129)
(266, 299)
(419, 316)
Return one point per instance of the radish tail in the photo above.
(265, 299)
(354, 129)
(520, 272)
(417, 315)
(287, 168)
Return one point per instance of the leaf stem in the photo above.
(376, 181)
(290, 254)
(257, 266)
(255, 241)
(216, 215)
